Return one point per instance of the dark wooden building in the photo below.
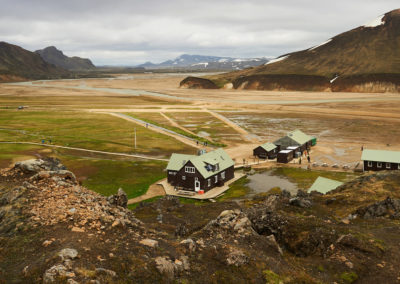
(266, 151)
(203, 172)
(380, 160)
(295, 138)
(285, 156)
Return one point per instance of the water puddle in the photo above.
(265, 181)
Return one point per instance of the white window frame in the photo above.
(388, 165)
(190, 170)
(183, 177)
(379, 164)
(223, 175)
(398, 166)
(209, 182)
(370, 164)
(216, 178)
(217, 167)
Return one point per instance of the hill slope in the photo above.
(54, 56)
(17, 63)
(52, 230)
(369, 53)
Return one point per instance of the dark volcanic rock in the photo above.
(119, 199)
(386, 208)
(197, 83)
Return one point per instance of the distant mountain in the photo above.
(18, 64)
(54, 56)
(187, 61)
(366, 58)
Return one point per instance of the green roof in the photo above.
(219, 156)
(177, 161)
(324, 185)
(268, 146)
(299, 136)
(381, 156)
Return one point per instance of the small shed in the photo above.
(266, 151)
(379, 160)
(285, 156)
(324, 185)
(296, 151)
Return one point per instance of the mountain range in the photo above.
(54, 56)
(364, 59)
(17, 64)
(187, 61)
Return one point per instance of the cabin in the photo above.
(200, 173)
(265, 151)
(295, 138)
(285, 156)
(380, 160)
(324, 185)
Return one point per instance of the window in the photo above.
(183, 177)
(388, 165)
(209, 182)
(369, 164)
(216, 178)
(223, 175)
(398, 166)
(379, 164)
(189, 170)
(217, 167)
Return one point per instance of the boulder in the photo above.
(68, 253)
(165, 266)
(149, 242)
(119, 199)
(55, 272)
(386, 208)
(300, 202)
(37, 165)
(237, 257)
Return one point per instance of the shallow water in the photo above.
(263, 182)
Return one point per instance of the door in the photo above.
(196, 185)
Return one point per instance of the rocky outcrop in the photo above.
(386, 208)
(119, 199)
(197, 83)
(37, 165)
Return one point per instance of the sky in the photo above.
(127, 33)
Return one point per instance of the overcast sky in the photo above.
(123, 32)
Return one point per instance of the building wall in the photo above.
(374, 166)
(285, 157)
(263, 154)
(189, 178)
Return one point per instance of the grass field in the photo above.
(204, 124)
(86, 130)
(166, 124)
(101, 175)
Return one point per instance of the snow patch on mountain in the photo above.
(325, 42)
(376, 22)
(277, 59)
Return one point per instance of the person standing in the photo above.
(308, 159)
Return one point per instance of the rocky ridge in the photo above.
(63, 232)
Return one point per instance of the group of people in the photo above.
(306, 153)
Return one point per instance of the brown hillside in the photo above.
(17, 64)
(360, 56)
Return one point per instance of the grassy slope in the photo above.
(85, 130)
(102, 175)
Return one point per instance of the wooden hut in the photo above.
(295, 138)
(265, 151)
(204, 172)
(285, 156)
(379, 160)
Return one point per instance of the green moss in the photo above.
(272, 278)
(349, 277)
(236, 190)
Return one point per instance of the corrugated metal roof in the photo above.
(299, 136)
(219, 156)
(286, 151)
(177, 161)
(381, 156)
(324, 185)
(268, 146)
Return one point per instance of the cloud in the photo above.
(126, 32)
